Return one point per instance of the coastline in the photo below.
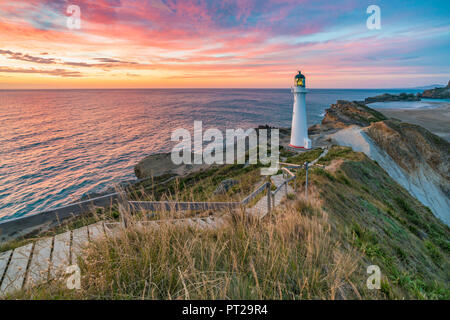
(358, 189)
(342, 126)
(434, 118)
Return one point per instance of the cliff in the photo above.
(416, 158)
(437, 93)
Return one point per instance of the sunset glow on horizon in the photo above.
(222, 44)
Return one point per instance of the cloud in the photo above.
(257, 41)
(105, 62)
(77, 64)
(114, 62)
(26, 57)
(53, 72)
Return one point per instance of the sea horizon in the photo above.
(418, 88)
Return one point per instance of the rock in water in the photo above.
(393, 97)
(437, 93)
(161, 164)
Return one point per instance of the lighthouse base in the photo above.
(306, 144)
(298, 147)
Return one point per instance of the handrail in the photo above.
(178, 205)
(17, 227)
(288, 172)
(250, 197)
(173, 205)
(292, 165)
(282, 184)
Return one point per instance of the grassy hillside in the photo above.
(200, 186)
(356, 216)
(388, 226)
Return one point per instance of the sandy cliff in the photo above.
(416, 158)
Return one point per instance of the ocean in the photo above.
(59, 145)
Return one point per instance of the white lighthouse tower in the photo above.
(299, 131)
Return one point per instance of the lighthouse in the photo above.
(299, 131)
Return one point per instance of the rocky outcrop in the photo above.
(161, 164)
(344, 113)
(437, 93)
(392, 97)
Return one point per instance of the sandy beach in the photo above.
(437, 120)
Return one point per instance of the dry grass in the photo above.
(289, 256)
(356, 216)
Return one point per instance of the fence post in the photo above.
(268, 198)
(295, 182)
(306, 184)
(124, 209)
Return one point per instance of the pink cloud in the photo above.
(248, 38)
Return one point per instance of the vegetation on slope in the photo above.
(356, 216)
(200, 186)
(391, 228)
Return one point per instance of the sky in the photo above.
(222, 44)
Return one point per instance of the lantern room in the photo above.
(299, 80)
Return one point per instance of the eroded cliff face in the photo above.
(416, 158)
(411, 145)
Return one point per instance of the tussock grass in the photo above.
(200, 186)
(356, 216)
(305, 156)
(289, 256)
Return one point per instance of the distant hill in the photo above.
(431, 92)
(431, 86)
(392, 97)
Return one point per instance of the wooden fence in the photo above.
(22, 226)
